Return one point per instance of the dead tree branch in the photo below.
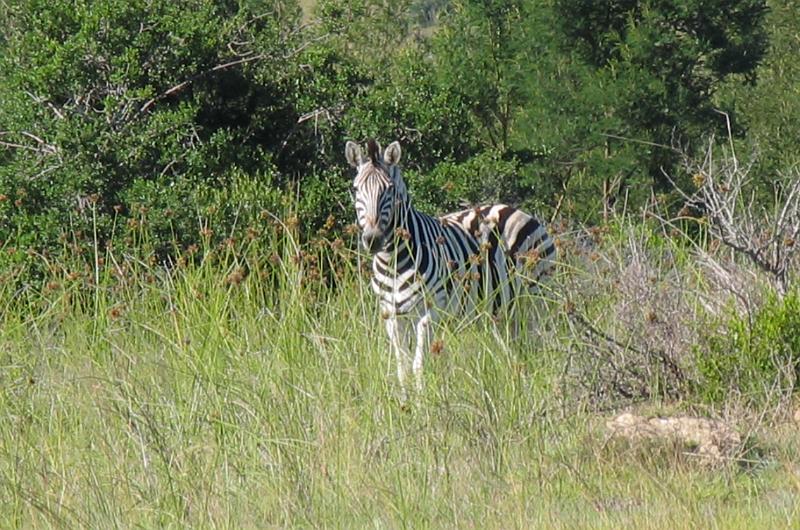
(183, 84)
(768, 237)
(41, 146)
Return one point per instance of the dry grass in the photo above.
(253, 388)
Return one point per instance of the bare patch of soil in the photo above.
(714, 441)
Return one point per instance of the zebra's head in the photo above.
(378, 189)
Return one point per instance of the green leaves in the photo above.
(563, 102)
(757, 356)
(479, 52)
(619, 84)
(99, 98)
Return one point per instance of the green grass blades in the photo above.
(254, 388)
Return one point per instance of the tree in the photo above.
(481, 51)
(113, 103)
(368, 31)
(769, 110)
(636, 75)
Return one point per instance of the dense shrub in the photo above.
(756, 356)
(483, 179)
(113, 107)
(615, 86)
(113, 113)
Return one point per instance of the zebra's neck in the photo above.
(406, 220)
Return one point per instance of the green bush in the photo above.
(109, 108)
(483, 179)
(756, 357)
(616, 85)
(113, 108)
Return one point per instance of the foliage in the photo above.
(128, 104)
(408, 103)
(483, 179)
(556, 106)
(758, 357)
(481, 53)
(427, 12)
(769, 110)
(370, 31)
(625, 81)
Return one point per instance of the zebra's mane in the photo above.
(374, 151)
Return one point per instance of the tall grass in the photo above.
(249, 385)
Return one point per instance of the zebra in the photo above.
(425, 266)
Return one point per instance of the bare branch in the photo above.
(728, 201)
(637, 141)
(43, 147)
(243, 57)
(183, 84)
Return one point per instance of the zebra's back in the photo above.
(502, 229)
(511, 251)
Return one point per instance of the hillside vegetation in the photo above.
(187, 334)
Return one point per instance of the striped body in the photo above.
(456, 262)
(425, 266)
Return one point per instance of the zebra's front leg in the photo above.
(424, 325)
(398, 338)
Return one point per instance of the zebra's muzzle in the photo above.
(372, 239)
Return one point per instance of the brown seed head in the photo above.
(236, 276)
(351, 229)
(402, 233)
(292, 222)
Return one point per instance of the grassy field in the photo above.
(254, 389)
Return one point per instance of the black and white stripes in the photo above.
(424, 266)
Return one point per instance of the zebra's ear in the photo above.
(392, 154)
(352, 152)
